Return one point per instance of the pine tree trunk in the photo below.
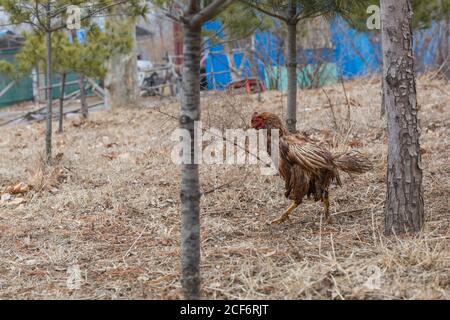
(383, 100)
(61, 103)
(84, 105)
(48, 132)
(405, 209)
(190, 185)
(121, 81)
(291, 117)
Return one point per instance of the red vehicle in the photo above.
(250, 85)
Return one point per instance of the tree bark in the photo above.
(121, 81)
(61, 103)
(404, 204)
(190, 113)
(383, 101)
(48, 132)
(84, 105)
(291, 117)
(190, 185)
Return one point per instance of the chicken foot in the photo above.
(286, 214)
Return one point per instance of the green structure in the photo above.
(22, 90)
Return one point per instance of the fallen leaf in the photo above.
(110, 145)
(20, 188)
(354, 103)
(78, 122)
(59, 157)
(61, 143)
(110, 156)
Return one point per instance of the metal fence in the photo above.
(12, 92)
(32, 87)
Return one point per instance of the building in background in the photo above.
(155, 39)
(327, 51)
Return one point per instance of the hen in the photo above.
(306, 167)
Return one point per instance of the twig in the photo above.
(26, 115)
(22, 116)
(225, 139)
(332, 109)
(230, 103)
(346, 98)
(351, 211)
(134, 243)
(226, 184)
(89, 107)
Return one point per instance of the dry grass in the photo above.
(111, 209)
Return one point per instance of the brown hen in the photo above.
(306, 167)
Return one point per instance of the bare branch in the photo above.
(192, 7)
(36, 8)
(309, 16)
(209, 12)
(169, 13)
(246, 35)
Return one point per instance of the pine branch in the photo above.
(36, 8)
(269, 13)
(91, 14)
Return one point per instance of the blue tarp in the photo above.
(356, 55)
(353, 54)
(219, 67)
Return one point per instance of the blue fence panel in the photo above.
(216, 63)
(246, 69)
(354, 53)
(426, 46)
(268, 47)
(214, 27)
(218, 70)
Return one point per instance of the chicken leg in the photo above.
(326, 204)
(286, 214)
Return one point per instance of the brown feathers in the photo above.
(307, 167)
(305, 154)
(352, 162)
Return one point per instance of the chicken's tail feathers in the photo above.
(352, 162)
